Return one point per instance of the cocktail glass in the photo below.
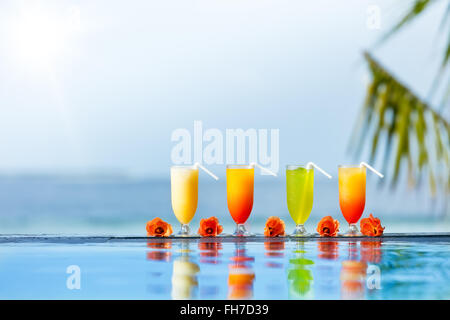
(300, 192)
(352, 195)
(184, 190)
(240, 185)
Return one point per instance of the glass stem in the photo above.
(352, 228)
(240, 230)
(300, 229)
(185, 228)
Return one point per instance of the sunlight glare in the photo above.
(40, 38)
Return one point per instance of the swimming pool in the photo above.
(393, 267)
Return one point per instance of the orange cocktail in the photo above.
(352, 194)
(240, 182)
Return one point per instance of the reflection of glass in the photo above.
(300, 277)
(353, 276)
(240, 185)
(300, 191)
(352, 250)
(352, 195)
(240, 275)
(184, 276)
(160, 252)
(328, 250)
(184, 188)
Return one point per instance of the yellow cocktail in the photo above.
(300, 193)
(352, 195)
(184, 187)
(240, 185)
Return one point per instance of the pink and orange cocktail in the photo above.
(240, 185)
(352, 194)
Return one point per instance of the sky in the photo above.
(99, 86)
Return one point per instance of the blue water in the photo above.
(122, 205)
(205, 269)
(208, 269)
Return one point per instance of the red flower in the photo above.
(158, 228)
(274, 227)
(328, 227)
(371, 227)
(210, 227)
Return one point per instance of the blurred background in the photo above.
(90, 93)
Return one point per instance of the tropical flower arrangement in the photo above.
(328, 227)
(274, 227)
(210, 227)
(158, 228)
(371, 226)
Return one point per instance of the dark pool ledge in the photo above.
(80, 239)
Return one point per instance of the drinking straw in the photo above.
(198, 165)
(310, 165)
(254, 164)
(363, 164)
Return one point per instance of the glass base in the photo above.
(185, 231)
(241, 231)
(300, 231)
(352, 231)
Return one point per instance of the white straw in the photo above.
(198, 165)
(309, 165)
(254, 164)
(363, 164)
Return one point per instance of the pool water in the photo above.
(258, 268)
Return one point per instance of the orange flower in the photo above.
(371, 227)
(274, 227)
(158, 228)
(209, 227)
(328, 227)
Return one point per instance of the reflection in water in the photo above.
(352, 250)
(274, 249)
(371, 251)
(184, 276)
(328, 250)
(209, 251)
(300, 277)
(160, 252)
(353, 276)
(327, 284)
(240, 274)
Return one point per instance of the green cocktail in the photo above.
(300, 192)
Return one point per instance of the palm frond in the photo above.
(416, 9)
(422, 135)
